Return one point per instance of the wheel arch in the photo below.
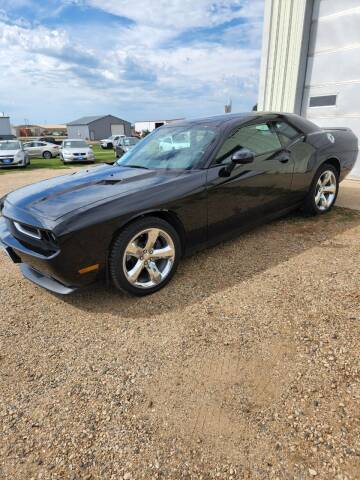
(167, 215)
(334, 161)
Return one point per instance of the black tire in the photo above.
(122, 241)
(26, 163)
(47, 155)
(310, 206)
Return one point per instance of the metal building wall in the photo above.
(78, 131)
(284, 54)
(333, 66)
(101, 128)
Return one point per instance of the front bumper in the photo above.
(45, 282)
(45, 271)
(78, 160)
(14, 163)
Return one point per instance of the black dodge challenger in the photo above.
(183, 187)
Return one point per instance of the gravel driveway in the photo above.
(246, 366)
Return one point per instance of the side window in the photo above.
(257, 138)
(286, 132)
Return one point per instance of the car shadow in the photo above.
(221, 267)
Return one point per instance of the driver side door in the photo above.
(241, 195)
(36, 149)
(30, 148)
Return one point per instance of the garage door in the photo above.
(117, 130)
(332, 87)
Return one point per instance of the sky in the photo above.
(136, 59)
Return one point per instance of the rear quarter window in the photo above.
(286, 132)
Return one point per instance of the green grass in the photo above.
(55, 163)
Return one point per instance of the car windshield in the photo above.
(181, 147)
(129, 141)
(75, 144)
(10, 145)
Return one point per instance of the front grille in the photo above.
(77, 154)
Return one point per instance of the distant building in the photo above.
(54, 129)
(97, 127)
(150, 125)
(28, 130)
(40, 130)
(310, 61)
(5, 128)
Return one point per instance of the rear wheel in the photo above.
(47, 155)
(323, 192)
(144, 256)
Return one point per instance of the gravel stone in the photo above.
(246, 366)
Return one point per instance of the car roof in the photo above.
(229, 120)
(226, 119)
(215, 120)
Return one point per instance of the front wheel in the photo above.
(323, 192)
(144, 256)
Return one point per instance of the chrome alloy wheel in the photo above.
(148, 258)
(325, 190)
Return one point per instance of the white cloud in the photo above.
(150, 69)
(180, 15)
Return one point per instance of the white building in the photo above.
(5, 127)
(311, 61)
(150, 125)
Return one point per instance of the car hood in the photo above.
(59, 196)
(77, 150)
(4, 153)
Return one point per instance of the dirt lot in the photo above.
(245, 367)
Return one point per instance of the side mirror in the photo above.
(242, 156)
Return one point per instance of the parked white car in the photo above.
(12, 154)
(41, 149)
(110, 142)
(76, 150)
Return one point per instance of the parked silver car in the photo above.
(41, 149)
(12, 154)
(76, 150)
